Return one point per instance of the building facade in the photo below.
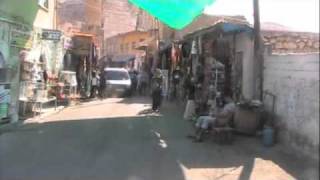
(81, 16)
(125, 45)
(122, 17)
(29, 45)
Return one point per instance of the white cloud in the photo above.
(302, 15)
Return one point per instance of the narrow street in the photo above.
(118, 139)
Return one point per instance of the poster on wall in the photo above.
(21, 37)
(67, 43)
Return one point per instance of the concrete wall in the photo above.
(244, 43)
(294, 79)
(45, 18)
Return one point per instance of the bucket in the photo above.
(3, 110)
(268, 136)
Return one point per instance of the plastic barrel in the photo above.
(268, 136)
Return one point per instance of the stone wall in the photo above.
(291, 42)
(294, 80)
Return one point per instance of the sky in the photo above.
(300, 15)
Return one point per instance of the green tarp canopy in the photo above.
(176, 14)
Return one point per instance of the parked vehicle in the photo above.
(118, 82)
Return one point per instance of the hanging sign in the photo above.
(48, 34)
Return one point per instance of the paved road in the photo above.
(117, 139)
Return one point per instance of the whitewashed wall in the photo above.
(294, 79)
(244, 43)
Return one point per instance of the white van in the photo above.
(118, 81)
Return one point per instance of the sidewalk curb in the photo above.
(15, 126)
(9, 127)
(44, 115)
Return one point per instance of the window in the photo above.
(116, 75)
(44, 4)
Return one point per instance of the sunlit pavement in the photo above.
(120, 139)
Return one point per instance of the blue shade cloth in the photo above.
(177, 14)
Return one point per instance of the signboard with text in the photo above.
(48, 34)
(21, 37)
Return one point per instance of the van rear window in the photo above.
(116, 75)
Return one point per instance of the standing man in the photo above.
(142, 82)
(102, 84)
(94, 85)
(176, 77)
(157, 90)
(189, 85)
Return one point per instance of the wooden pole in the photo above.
(55, 15)
(258, 51)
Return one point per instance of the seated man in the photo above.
(219, 117)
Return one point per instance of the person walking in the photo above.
(142, 82)
(189, 85)
(176, 77)
(102, 86)
(94, 85)
(157, 90)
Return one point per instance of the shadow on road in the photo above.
(130, 148)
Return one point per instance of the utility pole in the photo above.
(102, 50)
(55, 15)
(258, 51)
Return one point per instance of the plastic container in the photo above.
(268, 136)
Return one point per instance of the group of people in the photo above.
(157, 89)
(206, 114)
(140, 82)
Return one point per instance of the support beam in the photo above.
(258, 51)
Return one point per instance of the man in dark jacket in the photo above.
(102, 85)
(157, 90)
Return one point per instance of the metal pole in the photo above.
(258, 50)
(55, 26)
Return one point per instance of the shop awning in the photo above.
(226, 27)
(123, 58)
(176, 14)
